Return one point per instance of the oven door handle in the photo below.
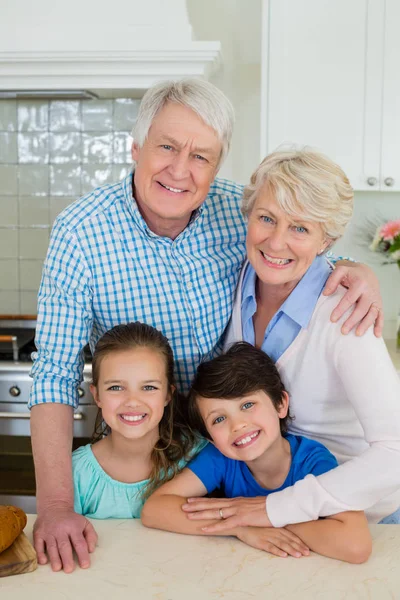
(27, 415)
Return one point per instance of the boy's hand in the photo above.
(232, 512)
(276, 541)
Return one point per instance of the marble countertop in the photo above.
(133, 562)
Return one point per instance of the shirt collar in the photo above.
(300, 304)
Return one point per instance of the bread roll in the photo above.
(12, 522)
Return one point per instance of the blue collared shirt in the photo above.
(294, 314)
(105, 266)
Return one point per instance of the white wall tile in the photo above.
(65, 180)
(8, 115)
(94, 176)
(125, 113)
(34, 210)
(9, 279)
(28, 302)
(33, 180)
(65, 115)
(8, 210)
(8, 243)
(57, 205)
(33, 148)
(8, 147)
(97, 115)
(10, 303)
(33, 115)
(120, 171)
(65, 148)
(30, 274)
(33, 243)
(122, 148)
(97, 148)
(9, 180)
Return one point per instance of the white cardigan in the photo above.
(344, 393)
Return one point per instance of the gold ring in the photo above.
(221, 515)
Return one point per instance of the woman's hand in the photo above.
(363, 293)
(232, 512)
(276, 541)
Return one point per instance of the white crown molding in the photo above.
(115, 70)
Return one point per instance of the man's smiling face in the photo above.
(174, 168)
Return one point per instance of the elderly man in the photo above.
(164, 246)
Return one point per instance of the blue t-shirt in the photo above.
(235, 478)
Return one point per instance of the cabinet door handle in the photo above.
(372, 181)
(27, 415)
(389, 181)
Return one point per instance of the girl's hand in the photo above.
(232, 512)
(276, 541)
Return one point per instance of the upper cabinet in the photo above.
(331, 80)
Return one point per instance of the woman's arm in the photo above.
(363, 372)
(344, 536)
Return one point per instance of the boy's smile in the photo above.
(243, 428)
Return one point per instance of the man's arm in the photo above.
(57, 525)
(363, 293)
(344, 536)
(63, 328)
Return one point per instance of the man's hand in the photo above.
(232, 512)
(363, 293)
(278, 541)
(58, 532)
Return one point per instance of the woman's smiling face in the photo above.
(279, 247)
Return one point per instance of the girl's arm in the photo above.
(344, 536)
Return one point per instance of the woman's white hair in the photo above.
(211, 105)
(306, 185)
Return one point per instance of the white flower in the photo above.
(375, 242)
(395, 256)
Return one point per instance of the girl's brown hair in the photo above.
(176, 440)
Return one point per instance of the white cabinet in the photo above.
(331, 80)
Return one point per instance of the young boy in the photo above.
(239, 403)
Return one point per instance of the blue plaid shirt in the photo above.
(105, 267)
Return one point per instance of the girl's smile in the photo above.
(133, 391)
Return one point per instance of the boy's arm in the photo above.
(344, 536)
(163, 510)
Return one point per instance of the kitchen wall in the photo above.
(238, 26)
(51, 152)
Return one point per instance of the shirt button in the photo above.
(197, 324)
(189, 285)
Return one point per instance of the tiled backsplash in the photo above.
(51, 152)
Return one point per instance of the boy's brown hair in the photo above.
(242, 370)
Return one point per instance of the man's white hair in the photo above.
(206, 100)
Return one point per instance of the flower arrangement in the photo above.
(387, 242)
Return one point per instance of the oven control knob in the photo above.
(81, 392)
(14, 391)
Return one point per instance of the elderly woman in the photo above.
(344, 390)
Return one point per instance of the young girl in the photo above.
(239, 403)
(139, 441)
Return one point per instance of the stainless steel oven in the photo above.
(17, 477)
